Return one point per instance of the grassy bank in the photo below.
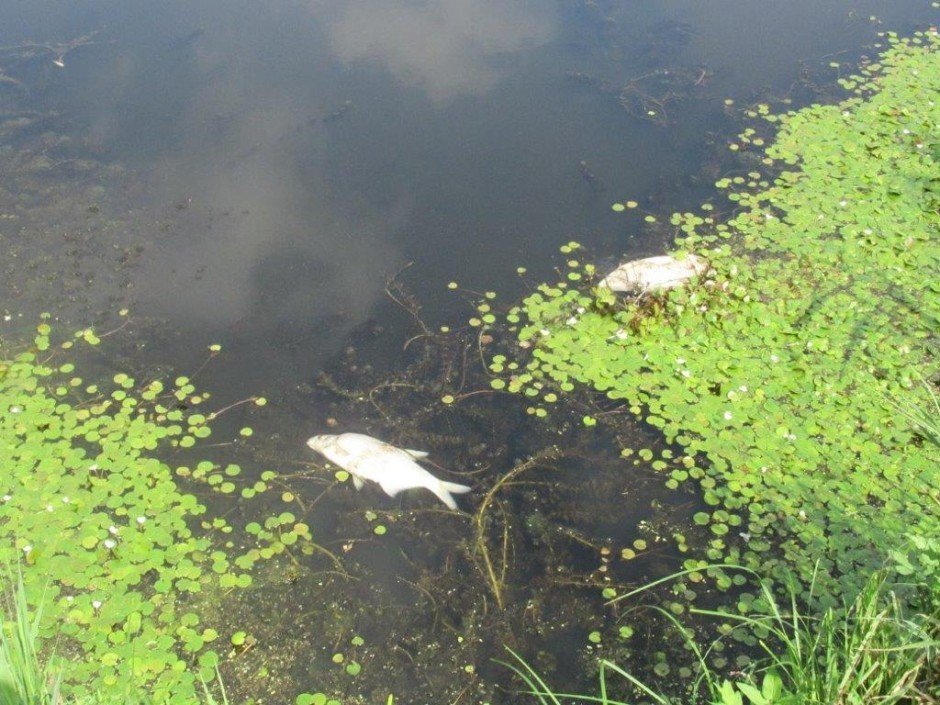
(869, 651)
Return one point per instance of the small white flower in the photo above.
(7, 498)
(680, 360)
(15, 409)
(686, 373)
(843, 202)
(728, 415)
(93, 467)
(545, 331)
(845, 113)
(580, 309)
(763, 469)
(774, 358)
(141, 520)
(745, 535)
(867, 231)
(96, 604)
(8, 317)
(69, 598)
(742, 388)
(49, 507)
(110, 544)
(65, 500)
(113, 530)
(571, 321)
(906, 131)
(802, 514)
(27, 549)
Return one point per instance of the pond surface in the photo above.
(254, 174)
(286, 159)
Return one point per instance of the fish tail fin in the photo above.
(443, 489)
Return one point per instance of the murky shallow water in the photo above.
(253, 175)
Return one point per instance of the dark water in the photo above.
(319, 146)
(255, 172)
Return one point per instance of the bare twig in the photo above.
(409, 304)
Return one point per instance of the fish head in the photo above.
(321, 443)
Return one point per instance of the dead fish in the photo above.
(394, 469)
(663, 272)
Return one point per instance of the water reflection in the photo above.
(447, 48)
(254, 251)
(256, 240)
(285, 168)
(314, 148)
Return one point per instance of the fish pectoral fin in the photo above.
(416, 454)
(357, 482)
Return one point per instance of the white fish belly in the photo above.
(396, 474)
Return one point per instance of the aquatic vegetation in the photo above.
(495, 566)
(113, 540)
(547, 518)
(771, 379)
(867, 651)
(28, 679)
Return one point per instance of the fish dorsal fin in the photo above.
(416, 454)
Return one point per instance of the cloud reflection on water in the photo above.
(446, 48)
(292, 221)
(294, 256)
(266, 246)
(269, 260)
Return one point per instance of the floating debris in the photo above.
(590, 177)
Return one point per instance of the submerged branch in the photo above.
(496, 578)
